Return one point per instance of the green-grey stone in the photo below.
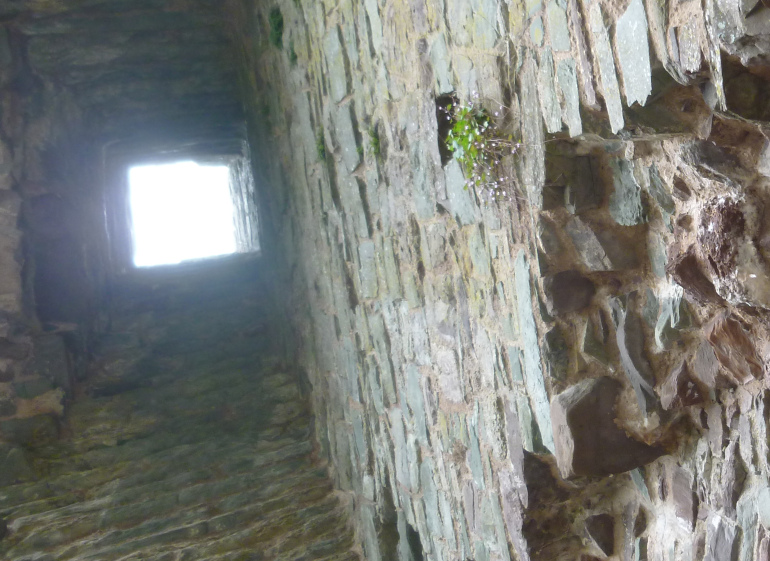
(549, 102)
(605, 61)
(335, 62)
(626, 200)
(514, 360)
(634, 53)
(657, 252)
(392, 274)
(416, 402)
(474, 454)
(556, 354)
(440, 59)
(533, 375)
(557, 27)
(660, 192)
(460, 199)
(536, 31)
(346, 136)
(567, 76)
(479, 254)
(367, 269)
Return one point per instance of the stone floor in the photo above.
(188, 442)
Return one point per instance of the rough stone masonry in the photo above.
(577, 373)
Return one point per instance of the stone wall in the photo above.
(575, 373)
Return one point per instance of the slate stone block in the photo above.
(734, 349)
(588, 441)
(568, 291)
(629, 336)
(567, 77)
(587, 244)
(603, 54)
(680, 390)
(556, 354)
(626, 200)
(558, 31)
(335, 61)
(634, 53)
(533, 374)
(686, 270)
(549, 102)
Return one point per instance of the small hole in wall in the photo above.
(180, 211)
(444, 121)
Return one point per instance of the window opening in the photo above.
(180, 211)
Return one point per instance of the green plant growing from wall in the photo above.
(482, 148)
(320, 146)
(276, 27)
(374, 140)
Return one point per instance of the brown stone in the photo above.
(686, 270)
(568, 291)
(679, 389)
(734, 349)
(588, 441)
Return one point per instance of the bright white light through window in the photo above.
(180, 211)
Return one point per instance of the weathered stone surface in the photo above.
(626, 201)
(558, 31)
(656, 250)
(680, 494)
(549, 238)
(685, 268)
(556, 354)
(460, 199)
(734, 349)
(634, 53)
(721, 535)
(587, 244)
(537, 31)
(679, 389)
(630, 340)
(549, 102)
(603, 53)
(601, 529)
(659, 191)
(588, 441)
(346, 136)
(335, 60)
(595, 338)
(533, 375)
(726, 235)
(570, 182)
(568, 291)
(567, 77)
